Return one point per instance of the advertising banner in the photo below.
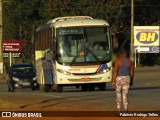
(146, 39)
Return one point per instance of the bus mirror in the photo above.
(54, 45)
(54, 55)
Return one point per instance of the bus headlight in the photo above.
(105, 70)
(64, 72)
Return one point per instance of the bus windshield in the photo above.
(83, 45)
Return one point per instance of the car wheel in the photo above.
(47, 88)
(59, 88)
(33, 88)
(38, 87)
(11, 87)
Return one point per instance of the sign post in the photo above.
(135, 57)
(10, 59)
(12, 46)
(132, 31)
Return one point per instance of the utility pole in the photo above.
(1, 39)
(132, 31)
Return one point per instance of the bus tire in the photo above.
(47, 88)
(59, 88)
(102, 87)
(77, 86)
(84, 87)
(91, 88)
(54, 88)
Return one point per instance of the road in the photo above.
(143, 96)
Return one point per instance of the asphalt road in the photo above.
(143, 96)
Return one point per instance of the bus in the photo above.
(73, 51)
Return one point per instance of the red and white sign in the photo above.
(12, 45)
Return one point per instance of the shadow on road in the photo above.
(94, 97)
(97, 96)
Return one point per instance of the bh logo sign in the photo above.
(147, 37)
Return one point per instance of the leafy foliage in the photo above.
(22, 17)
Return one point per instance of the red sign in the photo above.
(12, 45)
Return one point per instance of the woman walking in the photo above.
(122, 79)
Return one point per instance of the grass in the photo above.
(4, 105)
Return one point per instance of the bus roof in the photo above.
(72, 22)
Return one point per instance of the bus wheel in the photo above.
(84, 87)
(77, 86)
(102, 87)
(91, 88)
(47, 88)
(59, 88)
(54, 88)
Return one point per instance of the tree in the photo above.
(22, 17)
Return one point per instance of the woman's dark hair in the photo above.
(122, 52)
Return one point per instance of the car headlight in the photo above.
(34, 79)
(64, 72)
(15, 79)
(105, 70)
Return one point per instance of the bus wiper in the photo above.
(77, 55)
(93, 54)
(89, 51)
(74, 59)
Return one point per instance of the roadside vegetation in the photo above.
(22, 17)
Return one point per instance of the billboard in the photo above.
(12, 45)
(146, 39)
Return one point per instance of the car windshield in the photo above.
(83, 45)
(23, 70)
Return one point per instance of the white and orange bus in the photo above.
(73, 51)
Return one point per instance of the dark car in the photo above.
(22, 75)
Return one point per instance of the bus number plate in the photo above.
(85, 79)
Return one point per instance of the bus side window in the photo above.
(50, 39)
(43, 40)
(36, 40)
(36, 37)
(41, 47)
(48, 46)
